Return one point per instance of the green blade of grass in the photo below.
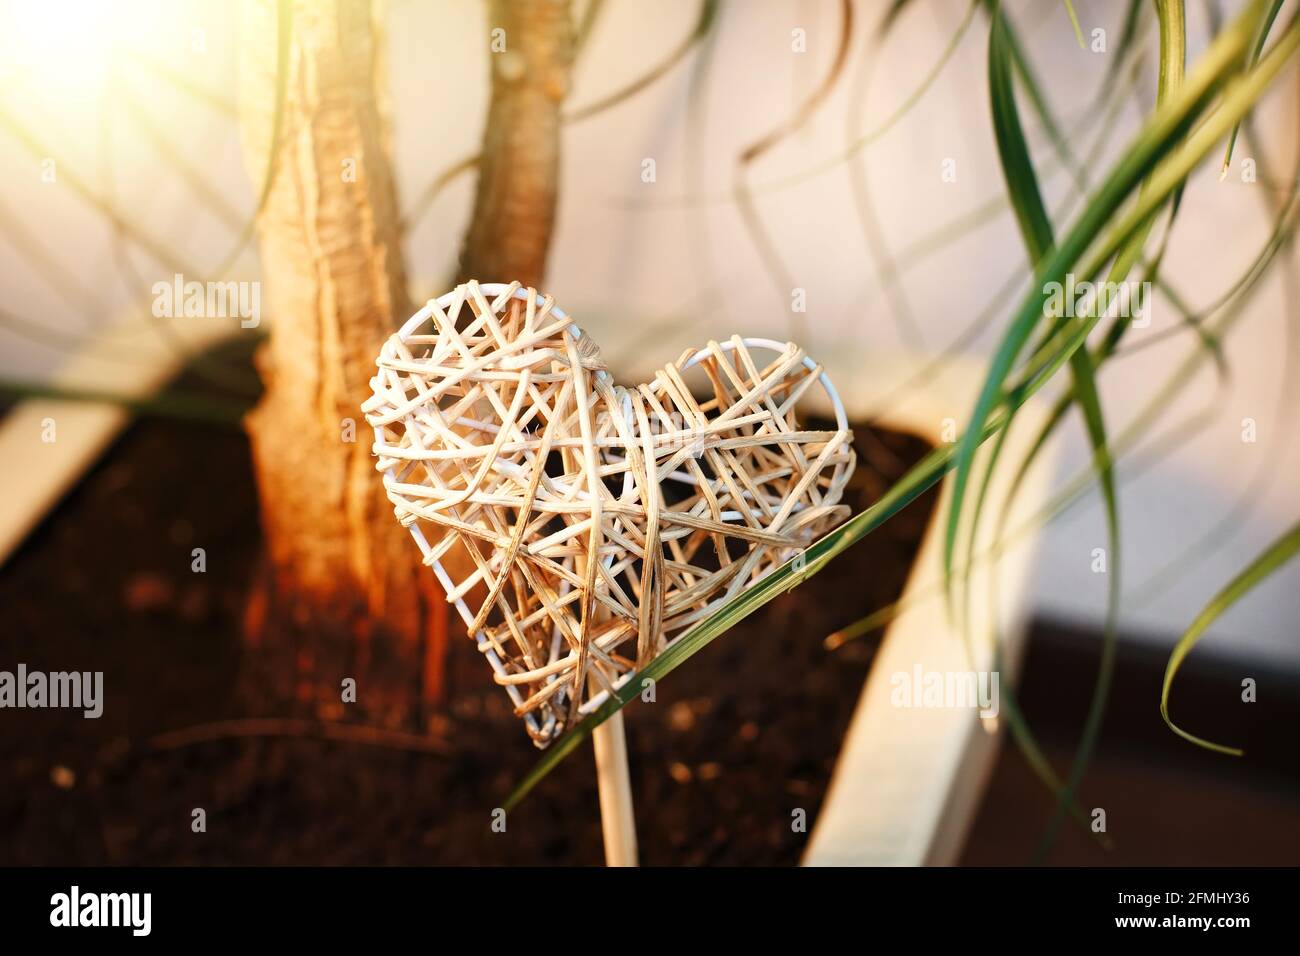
(1074, 22)
(1031, 216)
(1084, 393)
(1036, 230)
(1254, 58)
(1277, 554)
(1013, 151)
(1011, 48)
(1127, 38)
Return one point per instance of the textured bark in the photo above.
(344, 594)
(514, 207)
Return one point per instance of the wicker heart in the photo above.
(578, 525)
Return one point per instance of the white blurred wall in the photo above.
(676, 251)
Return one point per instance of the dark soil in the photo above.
(739, 738)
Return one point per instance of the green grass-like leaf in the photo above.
(1277, 554)
(1084, 393)
(1260, 40)
(1036, 230)
(1074, 22)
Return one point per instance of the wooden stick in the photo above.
(617, 818)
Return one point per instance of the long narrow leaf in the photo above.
(1036, 229)
(1172, 69)
(1074, 22)
(1254, 58)
(1277, 554)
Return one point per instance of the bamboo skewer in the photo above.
(617, 816)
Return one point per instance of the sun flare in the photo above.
(59, 50)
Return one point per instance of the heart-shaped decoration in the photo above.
(577, 525)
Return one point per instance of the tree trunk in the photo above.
(343, 595)
(532, 43)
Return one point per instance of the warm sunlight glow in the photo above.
(58, 49)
